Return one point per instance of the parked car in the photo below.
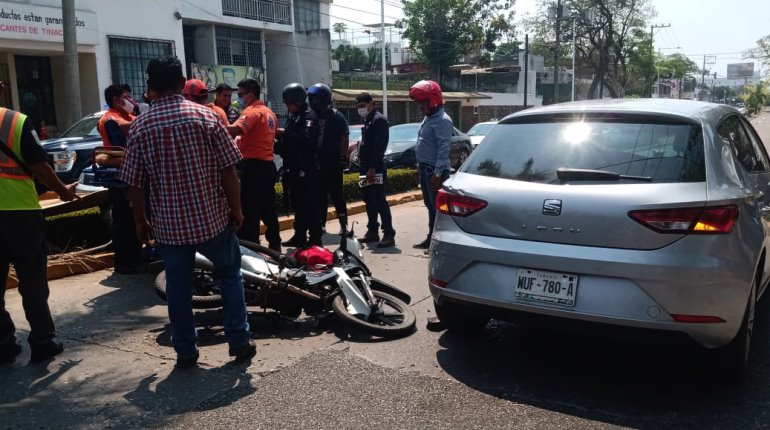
(648, 216)
(478, 131)
(71, 152)
(353, 140)
(403, 140)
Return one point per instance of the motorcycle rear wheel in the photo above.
(203, 297)
(397, 319)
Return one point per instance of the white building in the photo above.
(280, 41)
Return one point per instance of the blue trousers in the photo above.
(429, 194)
(224, 253)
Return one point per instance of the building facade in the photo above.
(278, 41)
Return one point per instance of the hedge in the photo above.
(87, 228)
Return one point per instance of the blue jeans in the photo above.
(429, 194)
(377, 205)
(224, 253)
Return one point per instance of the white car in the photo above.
(478, 131)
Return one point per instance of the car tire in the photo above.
(458, 321)
(731, 361)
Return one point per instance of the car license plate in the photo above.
(548, 287)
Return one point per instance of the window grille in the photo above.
(277, 11)
(238, 47)
(129, 58)
(307, 15)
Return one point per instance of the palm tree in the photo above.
(340, 28)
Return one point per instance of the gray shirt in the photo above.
(434, 140)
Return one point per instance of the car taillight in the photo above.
(456, 205)
(708, 220)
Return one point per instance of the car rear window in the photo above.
(665, 152)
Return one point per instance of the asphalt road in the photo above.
(118, 372)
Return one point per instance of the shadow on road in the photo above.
(638, 385)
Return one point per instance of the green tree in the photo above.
(340, 28)
(613, 46)
(443, 31)
(677, 65)
(762, 52)
(506, 51)
(756, 97)
(350, 57)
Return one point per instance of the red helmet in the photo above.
(427, 90)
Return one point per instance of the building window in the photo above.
(307, 15)
(238, 47)
(129, 58)
(277, 11)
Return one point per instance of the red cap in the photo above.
(195, 88)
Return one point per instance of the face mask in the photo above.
(128, 107)
(363, 112)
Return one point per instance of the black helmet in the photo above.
(294, 94)
(320, 97)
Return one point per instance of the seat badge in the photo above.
(552, 207)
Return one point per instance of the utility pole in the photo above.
(556, 53)
(384, 77)
(652, 45)
(703, 70)
(71, 67)
(526, 67)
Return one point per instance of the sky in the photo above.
(721, 28)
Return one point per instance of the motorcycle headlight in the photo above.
(64, 160)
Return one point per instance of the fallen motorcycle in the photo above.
(313, 280)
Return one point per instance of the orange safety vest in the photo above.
(17, 188)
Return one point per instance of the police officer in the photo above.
(22, 242)
(298, 147)
(332, 150)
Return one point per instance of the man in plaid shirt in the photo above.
(184, 155)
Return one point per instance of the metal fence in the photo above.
(276, 11)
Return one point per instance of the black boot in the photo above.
(425, 244)
(388, 241)
(371, 236)
(9, 352)
(45, 350)
(295, 241)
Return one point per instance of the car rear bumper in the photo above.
(625, 288)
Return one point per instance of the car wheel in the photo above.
(459, 321)
(461, 159)
(732, 360)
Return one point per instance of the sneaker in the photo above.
(388, 241)
(244, 352)
(9, 352)
(187, 362)
(45, 350)
(370, 236)
(425, 244)
(435, 324)
(295, 242)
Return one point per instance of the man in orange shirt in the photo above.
(256, 127)
(113, 127)
(195, 91)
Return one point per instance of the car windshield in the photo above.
(355, 133)
(404, 132)
(84, 128)
(533, 152)
(480, 129)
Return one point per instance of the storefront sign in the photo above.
(213, 75)
(44, 24)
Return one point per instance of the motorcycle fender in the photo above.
(386, 288)
(356, 302)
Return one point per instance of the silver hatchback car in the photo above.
(639, 216)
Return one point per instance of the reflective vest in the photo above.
(17, 189)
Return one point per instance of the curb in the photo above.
(93, 263)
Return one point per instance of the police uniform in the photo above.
(298, 147)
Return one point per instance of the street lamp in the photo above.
(555, 14)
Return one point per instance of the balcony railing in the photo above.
(276, 11)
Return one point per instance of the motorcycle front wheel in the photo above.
(393, 318)
(205, 290)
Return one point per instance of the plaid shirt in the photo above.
(179, 148)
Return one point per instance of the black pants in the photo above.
(377, 205)
(127, 247)
(304, 201)
(331, 185)
(22, 243)
(258, 201)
